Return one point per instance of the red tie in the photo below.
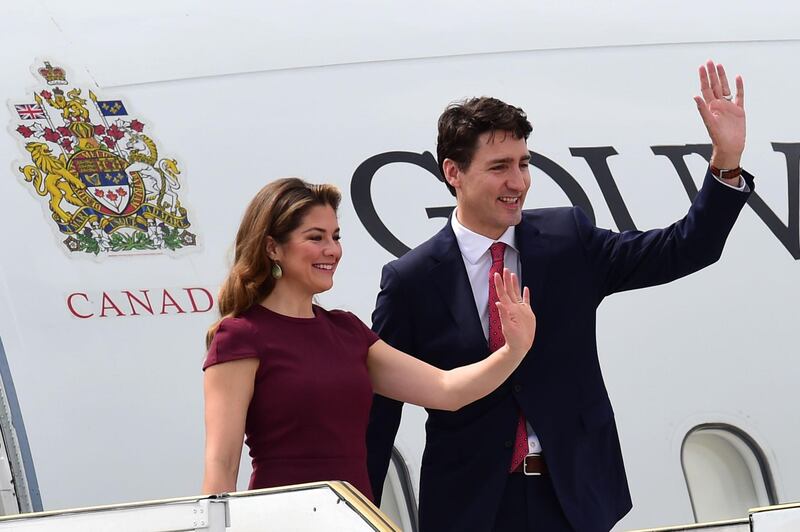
(496, 341)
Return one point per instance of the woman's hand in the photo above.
(516, 316)
(405, 378)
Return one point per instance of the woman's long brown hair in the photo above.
(276, 211)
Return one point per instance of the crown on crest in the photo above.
(53, 75)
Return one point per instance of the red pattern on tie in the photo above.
(520, 444)
(496, 341)
(496, 338)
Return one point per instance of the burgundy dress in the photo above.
(308, 417)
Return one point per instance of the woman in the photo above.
(297, 380)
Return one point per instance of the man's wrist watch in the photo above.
(724, 173)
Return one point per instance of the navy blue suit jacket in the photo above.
(426, 308)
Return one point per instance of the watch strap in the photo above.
(725, 173)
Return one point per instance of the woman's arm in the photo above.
(228, 389)
(405, 378)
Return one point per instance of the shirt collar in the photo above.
(473, 245)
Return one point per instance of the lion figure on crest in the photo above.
(49, 175)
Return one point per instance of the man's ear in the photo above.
(452, 173)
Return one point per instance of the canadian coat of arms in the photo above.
(107, 188)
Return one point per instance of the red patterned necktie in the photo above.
(496, 341)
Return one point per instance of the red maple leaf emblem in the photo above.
(99, 130)
(109, 141)
(50, 135)
(111, 196)
(99, 193)
(25, 131)
(47, 95)
(122, 193)
(64, 132)
(137, 126)
(116, 132)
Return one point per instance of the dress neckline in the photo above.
(314, 308)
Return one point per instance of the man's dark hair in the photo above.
(463, 122)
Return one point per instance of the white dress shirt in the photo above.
(478, 260)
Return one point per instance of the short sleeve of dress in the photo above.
(234, 340)
(369, 335)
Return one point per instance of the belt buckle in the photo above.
(525, 466)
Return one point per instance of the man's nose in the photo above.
(517, 179)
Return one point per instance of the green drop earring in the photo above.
(277, 272)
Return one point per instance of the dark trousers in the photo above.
(530, 505)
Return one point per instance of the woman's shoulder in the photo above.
(235, 338)
(336, 315)
(246, 326)
(240, 324)
(347, 320)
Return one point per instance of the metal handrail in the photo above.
(698, 526)
(344, 491)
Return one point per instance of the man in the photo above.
(541, 452)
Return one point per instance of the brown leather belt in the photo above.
(533, 465)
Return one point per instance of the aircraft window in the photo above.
(398, 501)
(726, 472)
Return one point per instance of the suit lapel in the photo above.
(451, 282)
(534, 260)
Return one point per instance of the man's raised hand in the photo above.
(723, 114)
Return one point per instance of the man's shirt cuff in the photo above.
(742, 187)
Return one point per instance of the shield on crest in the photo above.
(108, 184)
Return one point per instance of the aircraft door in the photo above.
(399, 502)
(19, 492)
